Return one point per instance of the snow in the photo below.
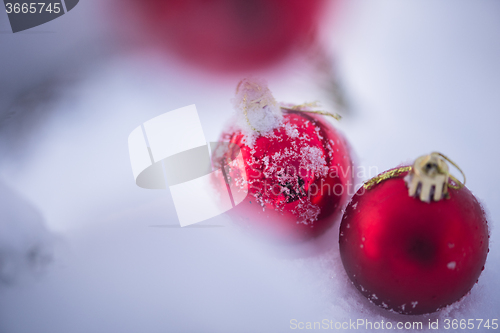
(257, 112)
(421, 76)
(25, 243)
(291, 130)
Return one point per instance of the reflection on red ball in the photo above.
(230, 34)
(298, 178)
(410, 256)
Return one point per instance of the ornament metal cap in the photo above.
(428, 177)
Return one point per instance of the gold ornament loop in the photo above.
(245, 112)
(458, 185)
(252, 96)
(247, 83)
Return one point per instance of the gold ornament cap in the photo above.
(428, 178)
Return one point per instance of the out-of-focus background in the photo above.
(83, 249)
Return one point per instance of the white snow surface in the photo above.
(421, 76)
(25, 243)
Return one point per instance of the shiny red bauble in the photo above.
(299, 176)
(410, 256)
(229, 34)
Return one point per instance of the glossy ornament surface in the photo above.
(411, 256)
(298, 178)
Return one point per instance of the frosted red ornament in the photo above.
(229, 34)
(408, 255)
(296, 165)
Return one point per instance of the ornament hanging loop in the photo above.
(458, 185)
(260, 113)
(257, 106)
(305, 107)
(245, 112)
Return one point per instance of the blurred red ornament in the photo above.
(230, 34)
(298, 172)
(408, 255)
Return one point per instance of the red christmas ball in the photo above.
(230, 34)
(411, 256)
(298, 176)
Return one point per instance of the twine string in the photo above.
(459, 184)
(315, 104)
(298, 107)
